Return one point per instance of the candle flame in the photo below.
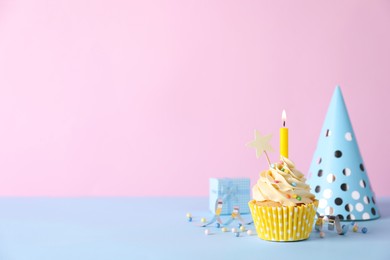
(284, 117)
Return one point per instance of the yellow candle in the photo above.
(284, 137)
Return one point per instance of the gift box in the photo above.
(232, 191)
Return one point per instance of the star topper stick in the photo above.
(261, 144)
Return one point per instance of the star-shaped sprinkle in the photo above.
(261, 143)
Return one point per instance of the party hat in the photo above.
(337, 174)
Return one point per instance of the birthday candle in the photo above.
(284, 137)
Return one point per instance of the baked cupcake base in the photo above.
(283, 223)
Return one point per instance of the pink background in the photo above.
(154, 97)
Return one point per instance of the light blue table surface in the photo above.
(156, 228)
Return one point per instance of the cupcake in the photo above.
(283, 208)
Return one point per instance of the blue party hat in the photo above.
(337, 174)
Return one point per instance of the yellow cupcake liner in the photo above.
(286, 223)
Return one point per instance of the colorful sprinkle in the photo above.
(239, 225)
(224, 229)
(355, 228)
(189, 215)
(294, 196)
(272, 165)
(322, 234)
(282, 169)
(288, 196)
(189, 219)
(352, 223)
(203, 220)
(299, 198)
(249, 232)
(234, 230)
(217, 225)
(242, 228)
(207, 232)
(345, 229)
(294, 184)
(237, 234)
(364, 230)
(276, 181)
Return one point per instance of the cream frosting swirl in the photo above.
(284, 184)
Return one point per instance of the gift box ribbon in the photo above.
(230, 192)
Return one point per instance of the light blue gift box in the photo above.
(233, 192)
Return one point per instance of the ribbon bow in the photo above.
(230, 192)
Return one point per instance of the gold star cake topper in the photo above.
(261, 144)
